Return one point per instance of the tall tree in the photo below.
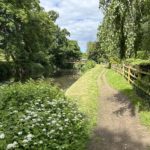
(95, 52)
(120, 32)
(31, 37)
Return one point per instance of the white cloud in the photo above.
(80, 17)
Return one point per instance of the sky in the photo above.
(80, 17)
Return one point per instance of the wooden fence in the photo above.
(132, 75)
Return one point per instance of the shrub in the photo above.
(37, 115)
(6, 71)
(89, 65)
(144, 83)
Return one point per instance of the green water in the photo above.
(65, 81)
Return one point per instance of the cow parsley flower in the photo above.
(29, 136)
(41, 142)
(53, 122)
(12, 145)
(20, 133)
(66, 120)
(2, 136)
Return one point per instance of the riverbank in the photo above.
(65, 81)
(86, 91)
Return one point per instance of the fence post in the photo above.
(123, 70)
(129, 72)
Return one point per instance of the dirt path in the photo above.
(118, 127)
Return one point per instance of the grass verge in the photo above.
(120, 83)
(85, 91)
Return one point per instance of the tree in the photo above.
(95, 52)
(120, 32)
(30, 36)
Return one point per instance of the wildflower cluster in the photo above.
(43, 123)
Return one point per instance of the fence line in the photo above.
(132, 75)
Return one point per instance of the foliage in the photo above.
(144, 83)
(37, 115)
(84, 56)
(121, 31)
(145, 55)
(88, 65)
(70, 54)
(133, 61)
(85, 91)
(95, 52)
(30, 35)
(6, 70)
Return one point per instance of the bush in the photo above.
(6, 71)
(37, 115)
(144, 83)
(89, 65)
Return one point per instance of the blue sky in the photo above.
(80, 17)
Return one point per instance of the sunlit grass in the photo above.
(121, 84)
(86, 92)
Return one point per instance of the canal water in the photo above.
(65, 80)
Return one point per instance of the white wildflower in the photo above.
(36, 103)
(44, 130)
(28, 117)
(35, 115)
(42, 105)
(38, 119)
(25, 141)
(61, 128)
(66, 120)
(20, 133)
(48, 123)
(2, 136)
(32, 126)
(34, 120)
(12, 145)
(41, 142)
(29, 136)
(54, 121)
(15, 111)
(52, 131)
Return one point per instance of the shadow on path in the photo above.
(120, 98)
(103, 139)
(118, 126)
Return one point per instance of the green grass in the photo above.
(120, 83)
(145, 118)
(86, 93)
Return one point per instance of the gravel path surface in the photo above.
(118, 127)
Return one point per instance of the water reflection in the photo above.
(65, 81)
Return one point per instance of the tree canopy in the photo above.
(30, 36)
(120, 35)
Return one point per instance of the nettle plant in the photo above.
(37, 115)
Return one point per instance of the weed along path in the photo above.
(118, 127)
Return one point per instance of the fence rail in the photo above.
(132, 75)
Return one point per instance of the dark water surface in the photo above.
(65, 81)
